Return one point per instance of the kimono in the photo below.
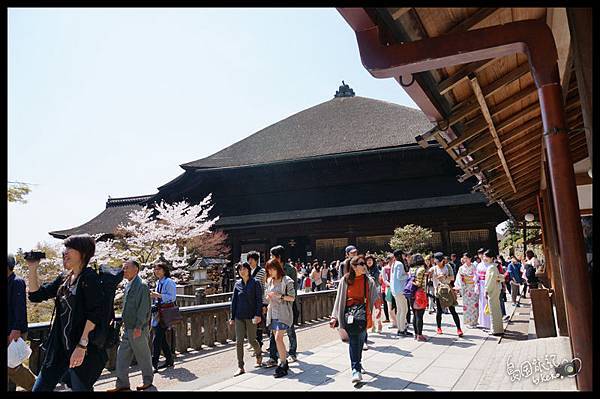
(484, 321)
(493, 284)
(466, 280)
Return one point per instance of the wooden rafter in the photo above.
(470, 22)
(400, 12)
(473, 67)
(492, 128)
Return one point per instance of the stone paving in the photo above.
(446, 362)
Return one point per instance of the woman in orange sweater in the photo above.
(352, 310)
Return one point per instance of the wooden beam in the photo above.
(459, 76)
(400, 12)
(492, 128)
(479, 16)
(581, 179)
(473, 67)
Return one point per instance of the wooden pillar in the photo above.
(570, 234)
(580, 26)
(493, 239)
(552, 260)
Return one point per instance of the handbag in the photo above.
(358, 313)
(421, 300)
(388, 294)
(410, 288)
(168, 315)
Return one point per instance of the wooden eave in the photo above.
(502, 100)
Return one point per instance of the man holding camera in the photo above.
(17, 323)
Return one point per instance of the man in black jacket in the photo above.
(17, 324)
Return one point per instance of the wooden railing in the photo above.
(203, 326)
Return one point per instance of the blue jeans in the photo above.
(291, 332)
(48, 377)
(356, 347)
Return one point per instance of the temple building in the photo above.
(346, 171)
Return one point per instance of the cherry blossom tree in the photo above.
(164, 228)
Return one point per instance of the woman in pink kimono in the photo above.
(466, 281)
(484, 321)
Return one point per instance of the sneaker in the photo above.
(365, 347)
(356, 376)
(459, 332)
(439, 330)
(270, 363)
(385, 321)
(401, 334)
(292, 358)
(407, 333)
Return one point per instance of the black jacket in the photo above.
(246, 301)
(17, 305)
(88, 306)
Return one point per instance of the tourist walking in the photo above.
(315, 276)
(246, 312)
(466, 281)
(429, 290)
(389, 296)
(324, 276)
(17, 324)
(399, 276)
(493, 280)
(136, 335)
(419, 299)
(516, 279)
(280, 294)
(376, 312)
(71, 353)
(444, 295)
(164, 297)
(484, 321)
(277, 252)
(257, 272)
(352, 310)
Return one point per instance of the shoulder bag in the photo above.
(356, 315)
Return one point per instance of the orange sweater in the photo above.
(356, 295)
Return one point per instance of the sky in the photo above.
(109, 102)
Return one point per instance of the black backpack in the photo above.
(106, 334)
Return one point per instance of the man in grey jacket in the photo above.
(135, 340)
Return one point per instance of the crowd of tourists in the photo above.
(370, 291)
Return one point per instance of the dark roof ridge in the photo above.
(138, 199)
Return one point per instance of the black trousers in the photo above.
(159, 342)
(410, 302)
(385, 308)
(438, 316)
(417, 319)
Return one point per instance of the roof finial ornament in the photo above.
(344, 91)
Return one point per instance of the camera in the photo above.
(34, 255)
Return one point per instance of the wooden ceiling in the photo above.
(495, 116)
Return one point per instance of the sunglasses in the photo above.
(360, 263)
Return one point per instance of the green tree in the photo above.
(411, 237)
(17, 192)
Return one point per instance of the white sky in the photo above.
(111, 101)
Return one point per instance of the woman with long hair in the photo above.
(71, 350)
(355, 297)
(280, 295)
